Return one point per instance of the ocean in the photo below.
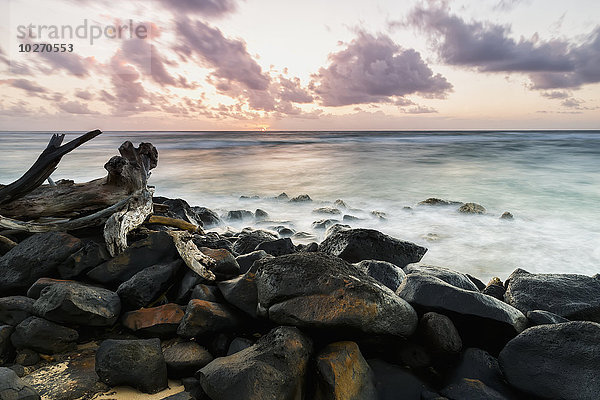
(549, 181)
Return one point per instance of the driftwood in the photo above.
(173, 222)
(196, 260)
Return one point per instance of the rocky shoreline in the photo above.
(256, 316)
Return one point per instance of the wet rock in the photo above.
(208, 217)
(558, 361)
(273, 368)
(185, 358)
(254, 197)
(326, 210)
(282, 196)
(136, 363)
(157, 248)
(340, 203)
(238, 344)
(433, 201)
(225, 266)
(480, 285)
(439, 334)
(303, 236)
(324, 223)
(248, 240)
(386, 273)
(6, 245)
(147, 285)
(284, 231)
(13, 388)
(261, 214)
(309, 248)
(482, 317)
(390, 380)
(277, 247)
(540, 317)
(471, 389)
(6, 348)
(208, 293)
(495, 288)
(203, 317)
(379, 215)
(239, 215)
(27, 357)
(78, 304)
(471, 208)
(14, 309)
(348, 217)
(301, 199)
(575, 297)
(343, 374)
(354, 245)
(245, 261)
(449, 276)
(242, 292)
(90, 255)
(506, 215)
(318, 290)
(212, 240)
(33, 258)
(160, 321)
(44, 336)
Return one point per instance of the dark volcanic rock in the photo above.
(90, 255)
(242, 292)
(326, 210)
(13, 388)
(248, 240)
(148, 284)
(480, 285)
(14, 309)
(431, 293)
(27, 357)
(6, 348)
(387, 273)
(575, 297)
(507, 215)
(301, 199)
(354, 245)
(203, 317)
(277, 247)
(447, 275)
(391, 380)
(208, 293)
(157, 248)
(35, 290)
(540, 317)
(439, 334)
(245, 261)
(343, 374)
(433, 201)
(44, 336)
(208, 217)
(136, 363)
(273, 368)
(212, 240)
(6, 245)
(324, 223)
(184, 359)
(225, 266)
(558, 361)
(162, 320)
(471, 389)
(495, 290)
(238, 344)
(238, 215)
(33, 258)
(318, 290)
(261, 214)
(180, 209)
(471, 208)
(78, 304)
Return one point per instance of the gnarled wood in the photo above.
(174, 222)
(196, 260)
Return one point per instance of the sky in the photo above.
(299, 65)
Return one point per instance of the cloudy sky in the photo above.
(295, 65)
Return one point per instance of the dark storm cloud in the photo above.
(208, 8)
(373, 69)
(489, 48)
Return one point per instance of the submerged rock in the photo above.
(575, 297)
(354, 245)
(326, 210)
(44, 336)
(318, 290)
(506, 215)
(301, 199)
(434, 201)
(136, 363)
(35, 257)
(471, 208)
(273, 368)
(13, 388)
(558, 361)
(238, 215)
(74, 303)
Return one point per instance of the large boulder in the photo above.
(161, 321)
(136, 363)
(90, 255)
(13, 388)
(204, 317)
(44, 336)
(212, 240)
(249, 239)
(14, 309)
(354, 245)
(540, 317)
(179, 209)
(449, 276)
(277, 247)
(245, 261)
(225, 265)
(148, 284)
(35, 290)
(7, 353)
(77, 304)
(37, 256)
(318, 290)
(387, 273)
(482, 320)
(157, 248)
(242, 292)
(343, 374)
(185, 358)
(439, 334)
(575, 297)
(559, 361)
(273, 368)
(392, 380)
